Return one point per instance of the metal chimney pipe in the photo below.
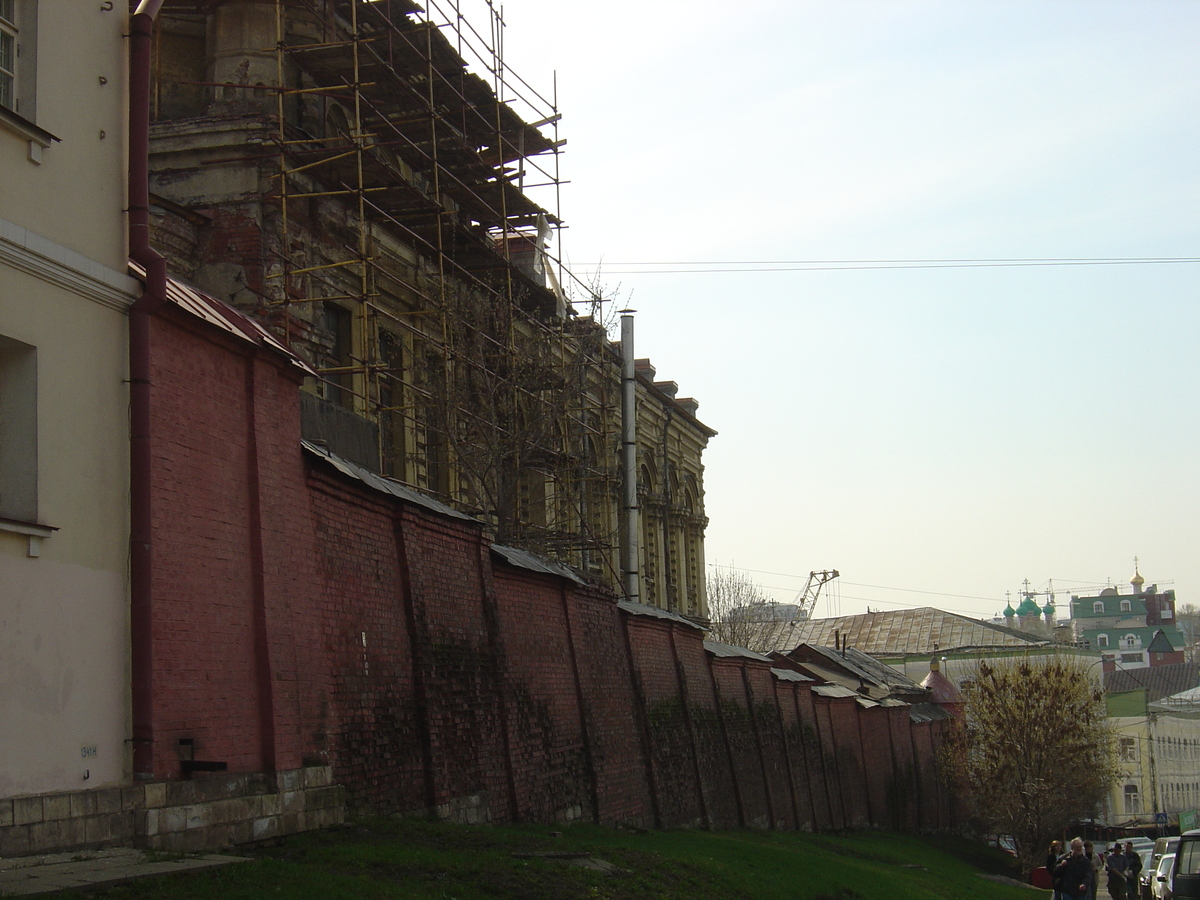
(629, 549)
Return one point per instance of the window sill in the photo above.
(39, 138)
(31, 530)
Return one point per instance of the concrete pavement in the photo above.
(28, 875)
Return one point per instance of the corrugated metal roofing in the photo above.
(833, 690)
(1185, 704)
(523, 559)
(384, 485)
(641, 609)
(221, 315)
(865, 667)
(790, 675)
(910, 632)
(1158, 681)
(716, 648)
(928, 712)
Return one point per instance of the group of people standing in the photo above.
(1077, 873)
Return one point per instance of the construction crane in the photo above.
(807, 598)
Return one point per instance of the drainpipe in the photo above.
(629, 554)
(141, 26)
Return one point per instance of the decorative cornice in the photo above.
(33, 254)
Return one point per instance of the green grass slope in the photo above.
(416, 860)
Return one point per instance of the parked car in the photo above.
(1184, 878)
(1161, 887)
(1162, 847)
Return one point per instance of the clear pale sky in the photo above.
(947, 431)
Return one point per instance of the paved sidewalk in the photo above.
(28, 875)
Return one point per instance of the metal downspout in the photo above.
(141, 26)
(629, 550)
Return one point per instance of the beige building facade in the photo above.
(1158, 751)
(64, 296)
(394, 222)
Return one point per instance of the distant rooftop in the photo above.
(909, 632)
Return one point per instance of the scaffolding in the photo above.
(405, 256)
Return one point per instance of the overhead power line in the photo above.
(706, 267)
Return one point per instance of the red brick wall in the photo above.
(206, 686)
(549, 758)
(300, 616)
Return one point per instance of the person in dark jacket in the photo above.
(1089, 852)
(1133, 873)
(1074, 874)
(1053, 856)
(1114, 865)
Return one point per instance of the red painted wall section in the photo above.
(929, 811)
(851, 770)
(550, 760)
(718, 789)
(458, 664)
(743, 745)
(768, 734)
(792, 741)
(831, 759)
(902, 791)
(817, 766)
(362, 715)
(608, 708)
(206, 687)
(672, 769)
(877, 763)
(300, 617)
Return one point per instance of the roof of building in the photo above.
(1126, 704)
(1158, 681)
(1185, 703)
(928, 712)
(1160, 643)
(910, 632)
(833, 690)
(858, 665)
(942, 688)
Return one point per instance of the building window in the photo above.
(1131, 657)
(1128, 750)
(8, 54)
(18, 431)
(1098, 607)
(18, 57)
(1102, 640)
(1126, 606)
(1129, 641)
(1132, 803)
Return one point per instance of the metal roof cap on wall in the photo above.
(641, 609)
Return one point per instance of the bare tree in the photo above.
(1036, 753)
(742, 613)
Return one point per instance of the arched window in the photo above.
(1126, 606)
(1130, 641)
(1098, 607)
(1102, 640)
